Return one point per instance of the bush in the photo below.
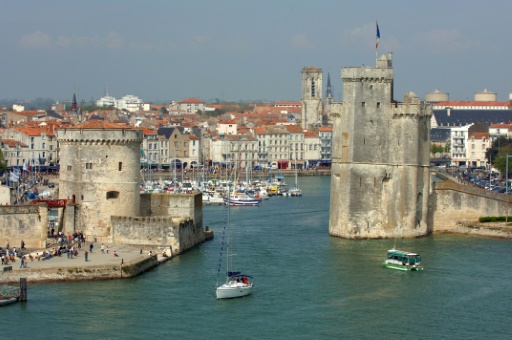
(486, 219)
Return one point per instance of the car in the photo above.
(257, 167)
(51, 185)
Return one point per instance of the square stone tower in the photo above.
(312, 104)
(380, 161)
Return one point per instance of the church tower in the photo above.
(380, 161)
(328, 93)
(312, 105)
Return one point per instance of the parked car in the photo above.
(51, 185)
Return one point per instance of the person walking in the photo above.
(86, 254)
(22, 262)
(90, 248)
(102, 248)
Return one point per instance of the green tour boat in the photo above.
(403, 260)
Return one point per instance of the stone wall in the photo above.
(24, 222)
(85, 273)
(187, 206)
(453, 203)
(178, 233)
(174, 220)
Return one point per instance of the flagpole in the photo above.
(377, 38)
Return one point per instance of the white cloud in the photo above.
(301, 41)
(364, 35)
(113, 41)
(442, 40)
(36, 40)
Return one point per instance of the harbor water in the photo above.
(308, 285)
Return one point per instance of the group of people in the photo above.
(104, 249)
(7, 255)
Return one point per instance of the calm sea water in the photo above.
(308, 285)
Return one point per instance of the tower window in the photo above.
(378, 105)
(363, 104)
(88, 166)
(120, 166)
(69, 167)
(312, 87)
(112, 194)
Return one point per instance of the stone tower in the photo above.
(380, 161)
(311, 96)
(100, 168)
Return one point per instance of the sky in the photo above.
(232, 50)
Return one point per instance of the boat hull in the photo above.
(250, 202)
(233, 290)
(402, 267)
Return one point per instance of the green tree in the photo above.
(496, 147)
(3, 163)
(447, 148)
(500, 160)
(436, 148)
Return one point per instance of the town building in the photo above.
(187, 106)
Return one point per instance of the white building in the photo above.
(106, 101)
(227, 127)
(469, 144)
(312, 147)
(190, 105)
(130, 103)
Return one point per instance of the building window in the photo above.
(378, 105)
(88, 166)
(112, 194)
(69, 167)
(120, 166)
(363, 104)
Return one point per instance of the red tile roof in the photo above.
(100, 124)
(479, 135)
(12, 143)
(191, 101)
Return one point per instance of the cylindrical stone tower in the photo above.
(100, 168)
(380, 162)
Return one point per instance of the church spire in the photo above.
(74, 106)
(328, 93)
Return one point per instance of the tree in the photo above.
(3, 163)
(500, 160)
(435, 149)
(499, 144)
(447, 148)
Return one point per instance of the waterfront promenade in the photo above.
(131, 261)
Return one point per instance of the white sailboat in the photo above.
(295, 191)
(237, 284)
